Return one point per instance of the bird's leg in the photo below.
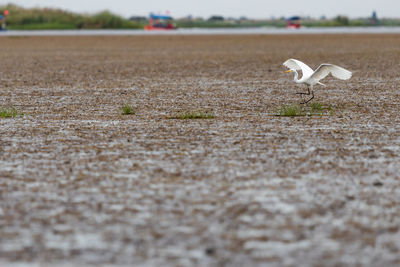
(312, 92)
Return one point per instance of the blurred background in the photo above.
(120, 14)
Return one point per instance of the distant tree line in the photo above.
(47, 18)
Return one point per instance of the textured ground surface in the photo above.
(82, 184)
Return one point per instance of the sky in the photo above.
(227, 8)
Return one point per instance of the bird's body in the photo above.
(310, 77)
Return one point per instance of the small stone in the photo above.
(210, 251)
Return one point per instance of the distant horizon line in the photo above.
(271, 17)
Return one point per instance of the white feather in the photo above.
(298, 65)
(326, 69)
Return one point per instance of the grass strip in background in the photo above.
(190, 115)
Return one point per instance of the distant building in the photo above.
(216, 18)
(160, 22)
(3, 16)
(138, 18)
(2, 22)
(293, 22)
(374, 18)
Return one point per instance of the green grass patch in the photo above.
(191, 115)
(291, 111)
(316, 107)
(313, 109)
(10, 113)
(128, 110)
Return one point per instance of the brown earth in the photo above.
(82, 184)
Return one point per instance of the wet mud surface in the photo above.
(82, 184)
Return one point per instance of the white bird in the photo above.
(310, 77)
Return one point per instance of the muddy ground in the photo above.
(82, 184)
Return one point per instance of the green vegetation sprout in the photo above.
(190, 115)
(9, 113)
(316, 107)
(291, 111)
(128, 110)
(312, 109)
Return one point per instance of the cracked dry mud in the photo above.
(82, 184)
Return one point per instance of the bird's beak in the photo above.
(288, 71)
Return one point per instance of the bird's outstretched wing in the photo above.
(324, 70)
(298, 65)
